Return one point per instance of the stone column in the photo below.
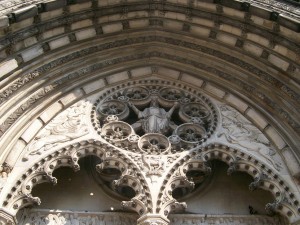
(153, 219)
(6, 218)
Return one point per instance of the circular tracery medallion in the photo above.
(156, 117)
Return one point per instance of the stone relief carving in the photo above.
(5, 170)
(154, 119)
(226, 220)
(194, 122)
(154, 165)
(36, 217)
(240, 131)
(69, 125)
(154, 113)
(22, 108)
(263, 75)
(75, 218)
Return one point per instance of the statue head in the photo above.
(154, 102)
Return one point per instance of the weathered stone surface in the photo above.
(257, 118)
(238, 103)
(32, 130)
(214, 90)
(8, 66)
(275, 137)
(76, 94)
(50, 112)
(240, 54)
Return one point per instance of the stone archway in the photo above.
(240, 55)
(168, 129)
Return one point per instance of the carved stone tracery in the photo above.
(173, 158)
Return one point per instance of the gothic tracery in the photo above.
(162, 137)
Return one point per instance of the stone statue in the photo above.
(153, 119)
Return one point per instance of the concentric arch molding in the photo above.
(96, 67)
(152, 159)
(285, 7)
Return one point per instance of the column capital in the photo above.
(153, 219)
(6, 218)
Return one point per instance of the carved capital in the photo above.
(6, 218)
(152, 219)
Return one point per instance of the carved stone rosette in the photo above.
(157, 141)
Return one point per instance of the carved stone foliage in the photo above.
(263, 97)
(25, 106)
(237, 130)
(179, 182)
(156, 137)
(67, 126)
(155, 128)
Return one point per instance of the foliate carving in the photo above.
(20, 195)
(179, 182)
(14, 86)
(181, 219)
(21, 109)
(239, 131)
(67, 126)
(38, 217)
(144, 158)
(261, 74)
(5, 169)
(258, 181)
(264, 177)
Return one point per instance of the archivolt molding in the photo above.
(287, 90)
(138, 147)
(25, 78)
(34, 99)
(263, 147)
(262, 47)
(286, 8)
(10, 120)
(59, 84)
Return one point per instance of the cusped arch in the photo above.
(264, 177)
(285, 203)
(54, 53)
(20, 194)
